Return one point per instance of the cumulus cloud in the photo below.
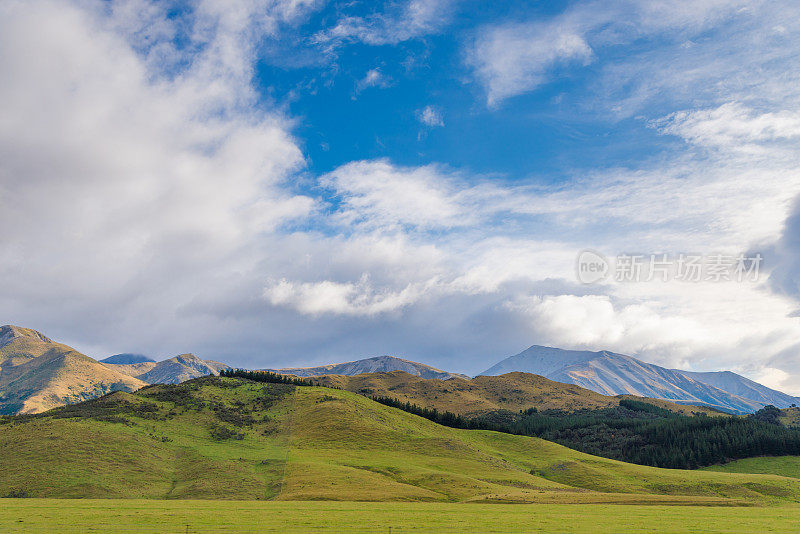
(120, 180)
(516, 58)
(785, 278)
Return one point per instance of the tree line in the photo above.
(265, 376)
(636, 432)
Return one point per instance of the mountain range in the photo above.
(617, 374)
(37, 373)
(371, 365)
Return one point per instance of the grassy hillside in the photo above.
(786, 466)
(512, 391)
(224, 438)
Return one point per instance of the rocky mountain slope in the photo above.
(744, 387)
(37, 374)
(615, 374)
(179, 369)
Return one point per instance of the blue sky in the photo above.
(544, 135)
(297, 182)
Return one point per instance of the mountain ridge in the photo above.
(613, 374)
(515, 391)
(37, 374)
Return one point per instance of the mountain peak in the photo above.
(187, 359)
(179, 369)
(610, 373)
(9, 333)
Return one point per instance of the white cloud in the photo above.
(123, 187)
(408, 20)
(373, 78)
(430, 116)
(731, 126)
(378, 194)
(513, 59)
(355, 299)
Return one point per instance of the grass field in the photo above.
(233, 439)
(50, 515)
(787, 466)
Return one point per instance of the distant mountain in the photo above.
(744, 387)
(614, 374)
(179, 369)
(172, 371)
(477, 396)
(37, 374)
(127, 359)
(370, 365)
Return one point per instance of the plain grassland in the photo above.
(87, 515)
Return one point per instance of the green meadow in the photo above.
(90, 515)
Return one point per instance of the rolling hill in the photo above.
(615, 374)
(37, 374)
(226, 438)
(471, 397)
(785, 466)
(370, 365)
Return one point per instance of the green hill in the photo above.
(226, 438)
(786, 466)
